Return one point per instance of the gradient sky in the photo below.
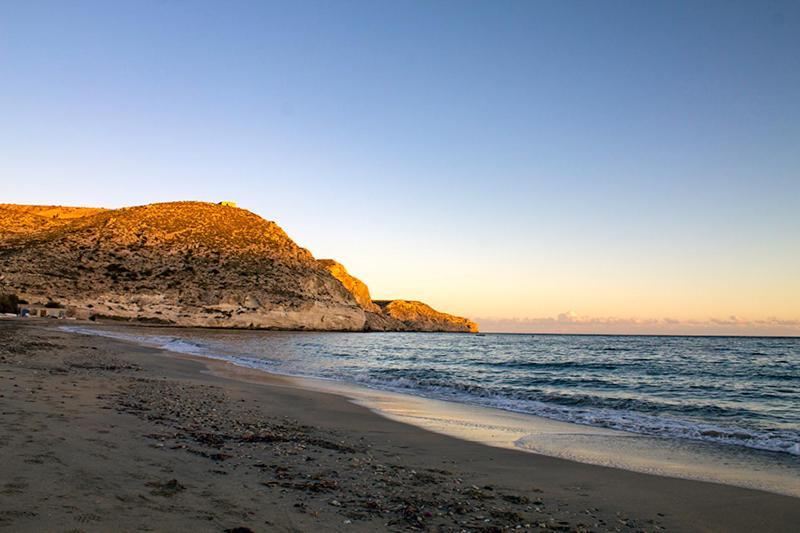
(578, 166)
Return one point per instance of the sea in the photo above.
(737, 393)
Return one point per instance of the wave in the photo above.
(527, 365)
(785, 441)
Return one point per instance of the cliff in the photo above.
(396, 315)
(183, 263)
(357, 288)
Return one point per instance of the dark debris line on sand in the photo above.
(336, 481)
(203, 420)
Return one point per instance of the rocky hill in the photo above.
(183, 263)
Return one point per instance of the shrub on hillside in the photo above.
(9, 303)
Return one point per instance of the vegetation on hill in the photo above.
(9, 303)
(22, 219)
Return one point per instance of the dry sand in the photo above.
(102, 435)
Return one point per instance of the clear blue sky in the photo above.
(498, 159)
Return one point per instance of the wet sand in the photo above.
(100, 435)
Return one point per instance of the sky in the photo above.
(626, 167)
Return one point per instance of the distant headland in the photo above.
(188, 264)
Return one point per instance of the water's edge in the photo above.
(665, 456)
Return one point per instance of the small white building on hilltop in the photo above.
(227, 203)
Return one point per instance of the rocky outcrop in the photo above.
(357, 288)
(405, 315)
(189, 264)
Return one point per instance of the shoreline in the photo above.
(73, 386)
(145, 324)
(661, 456)
(489, 426)
(683, 458)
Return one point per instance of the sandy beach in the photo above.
(100, 435)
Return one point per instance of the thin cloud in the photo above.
(730, 321)
(772, 321)
(570, 321)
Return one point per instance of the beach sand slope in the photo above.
(101, 435)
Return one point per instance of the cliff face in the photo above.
(397, 315)
(190, 264)
(187, 263)
(357, 288)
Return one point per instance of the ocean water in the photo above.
(732, 391)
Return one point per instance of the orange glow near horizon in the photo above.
(594, 300)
